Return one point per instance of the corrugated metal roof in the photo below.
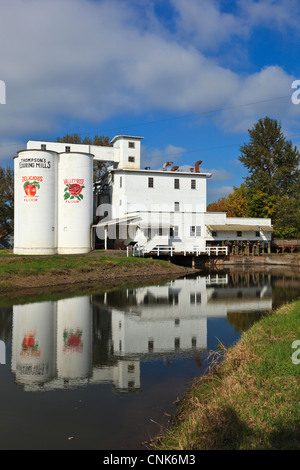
(243, 228)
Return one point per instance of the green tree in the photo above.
(99, 168)
(273, 180)
(6, 199)
(272, 161)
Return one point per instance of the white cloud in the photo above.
(281, 14)
(218, 174)
(155, 158)
(220, 191)
(204, 21)
(91, 61)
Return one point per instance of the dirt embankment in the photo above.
(92, 277)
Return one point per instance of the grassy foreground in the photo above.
(250, 401)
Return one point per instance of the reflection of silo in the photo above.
(74, 338)
(75, 202)
(34, 345)
(35, 188)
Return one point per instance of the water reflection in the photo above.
(103, 338)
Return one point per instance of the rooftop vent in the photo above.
(197, 166)
(167, 164)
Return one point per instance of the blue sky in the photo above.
(190, 76)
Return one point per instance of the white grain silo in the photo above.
(74, 338)
(75, 202)
(34, 342)
(35, 194)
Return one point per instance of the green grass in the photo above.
(250, 400)
(19, 265)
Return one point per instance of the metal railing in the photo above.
(170, 250)
(135, 251)
(216, 250)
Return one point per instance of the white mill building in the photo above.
(59, 210)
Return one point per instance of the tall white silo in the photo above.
(74, 338)
(75, 202)
(34, 342)
(35, 202)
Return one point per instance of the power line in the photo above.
(201, 113)
(185, 116)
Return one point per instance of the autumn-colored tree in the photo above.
(237, 202)
(217, 206)
(99, 168)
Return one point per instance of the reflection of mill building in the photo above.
(82, 340)
(163, 208)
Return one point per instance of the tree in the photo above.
(273, 182)
(271, 160)
(217, 206)
(99, 167)
(6, 199)
(237, 202)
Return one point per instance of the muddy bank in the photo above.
(88, 280)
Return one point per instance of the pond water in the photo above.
(105, 370)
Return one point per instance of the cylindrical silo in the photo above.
(74, 338)
(34, 342)
(75, 202)
(35, 202)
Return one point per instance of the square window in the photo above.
(43, 146)
(131, 159)
(68, 149)
(131, 145)
(238, 233)
(214, 233)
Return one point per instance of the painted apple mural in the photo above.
(31, 188)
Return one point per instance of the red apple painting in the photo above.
(30, 346)
(31, 188)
